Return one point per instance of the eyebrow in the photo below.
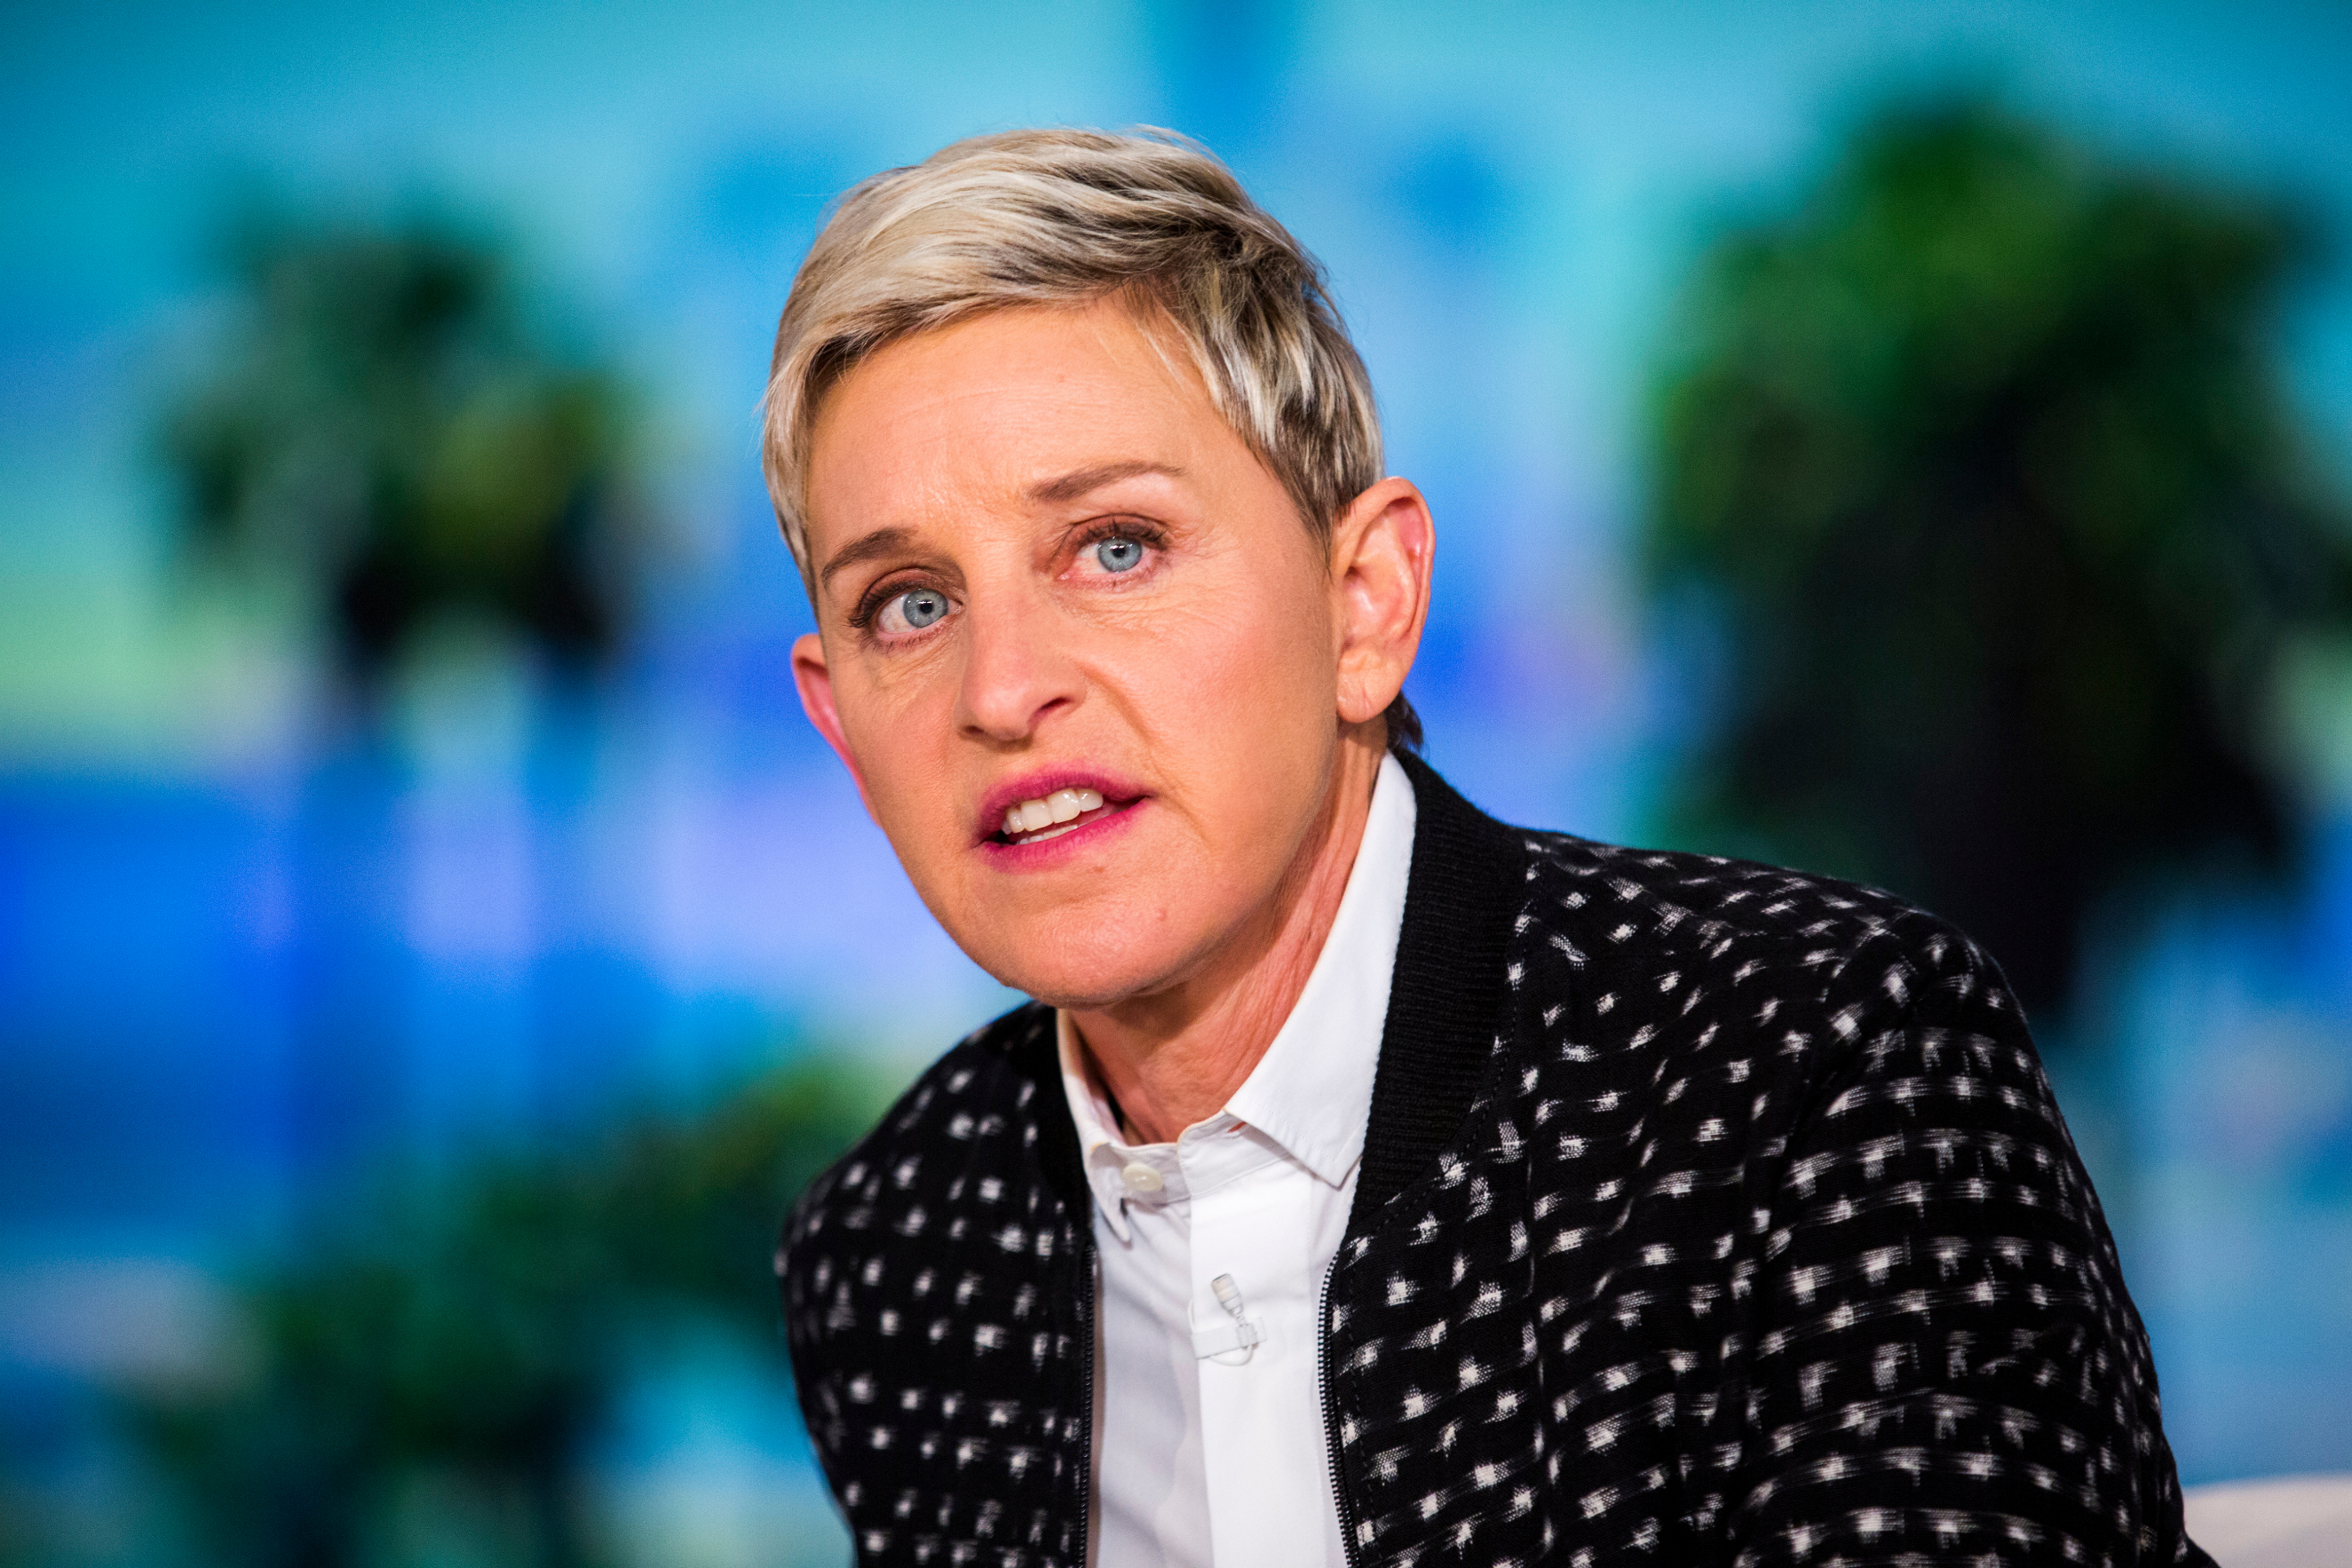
(1080, 482)
(1069, 487)
(881, 542)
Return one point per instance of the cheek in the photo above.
(1254, 660)
(900, 726)
(1238, 691)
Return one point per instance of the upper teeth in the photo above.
(1062, 805)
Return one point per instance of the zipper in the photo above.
(1086, 1399)
(1330, 1413)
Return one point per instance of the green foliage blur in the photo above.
(1980, 463)
(423, 1378)
(385, 421)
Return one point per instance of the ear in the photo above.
(1383, 548)
(814, 679)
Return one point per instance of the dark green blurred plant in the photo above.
(383, 420)
(460, 1340)
(1980, 461)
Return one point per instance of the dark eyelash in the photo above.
(1122, 528)
(862, 617)
(881, 593)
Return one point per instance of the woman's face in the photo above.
(1075, 644)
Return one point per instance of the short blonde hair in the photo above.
(1067, 218)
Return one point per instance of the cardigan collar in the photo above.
(1448, 995)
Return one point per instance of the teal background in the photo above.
(237, 956)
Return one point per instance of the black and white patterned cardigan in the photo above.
(1709, 1214)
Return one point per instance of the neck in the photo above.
(1175, 1056)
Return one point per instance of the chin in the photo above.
(1084, 976)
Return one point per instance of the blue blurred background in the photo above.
(269, 950)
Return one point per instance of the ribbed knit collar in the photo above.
(1447, 998)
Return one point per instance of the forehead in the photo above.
(988, 408)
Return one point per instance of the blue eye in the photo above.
(916, 608)
(1118, 554)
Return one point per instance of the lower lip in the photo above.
(1037, 854)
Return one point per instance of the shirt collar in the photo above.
(1101, 1151)
(1312, 1090)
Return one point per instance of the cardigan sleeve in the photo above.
(1943, 1365)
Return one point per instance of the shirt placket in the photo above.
(1252, 1221)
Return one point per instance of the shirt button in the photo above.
(1142, 1178)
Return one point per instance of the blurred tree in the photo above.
(383, 421)
(1980, 463)
(469, 1336)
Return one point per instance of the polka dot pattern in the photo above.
(1762, 1242)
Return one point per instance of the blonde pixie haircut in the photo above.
(1067, 218)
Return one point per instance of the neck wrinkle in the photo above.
(1175, 1057)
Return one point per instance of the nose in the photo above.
(1016, 672)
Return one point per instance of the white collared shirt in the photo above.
(1210, 1449)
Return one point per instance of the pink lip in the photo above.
(1117, 793)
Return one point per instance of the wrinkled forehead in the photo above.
(1005, 413)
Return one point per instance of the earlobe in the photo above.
(1382, 550)
(814, 677)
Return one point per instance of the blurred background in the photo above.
(1911, 442)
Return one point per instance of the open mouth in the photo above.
(1052, 815)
